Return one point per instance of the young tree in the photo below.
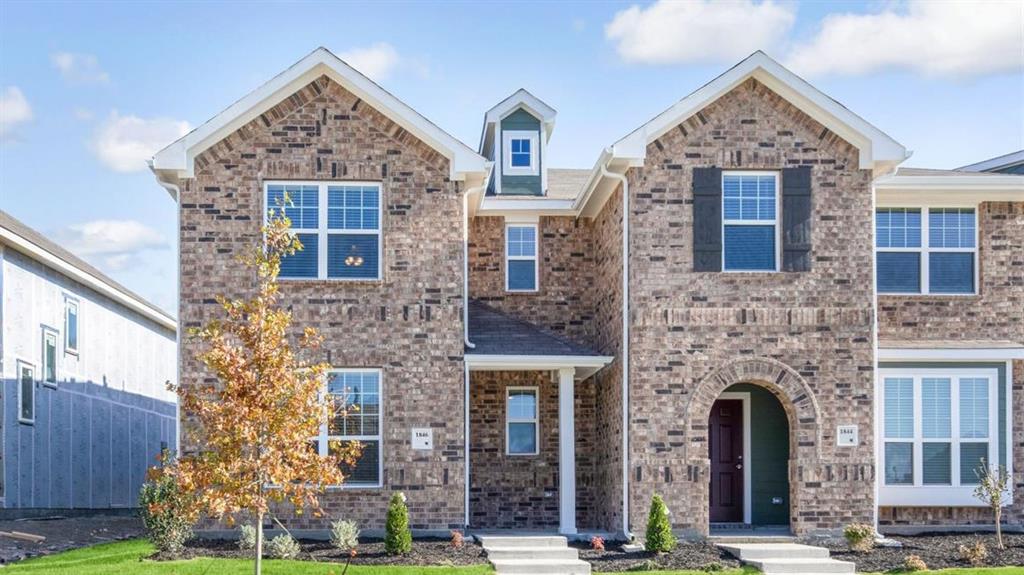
(993, 488)
(252, 429)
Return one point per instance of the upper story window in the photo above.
(521, 153)
(750, 221)
(70, 325)
(355, 396)
(521, 257)
(937, 258)
(49, 353)
(521, 421)
(338, 224)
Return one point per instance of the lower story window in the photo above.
(26, 392)
(355, 398)
(521, 421)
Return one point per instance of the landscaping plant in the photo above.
(247, 538)
(975, 554)
(283, 546)
(597, 543)
(344, 534)
(397, 536)
(914, 563)
(659, 528)
(993, 490)
(254, 423)
(859, 536)
(165, 509)
(458, 541)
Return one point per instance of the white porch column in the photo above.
(566, 452)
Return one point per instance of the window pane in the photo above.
(71, 326)
(750, 248)
(50, 358)
(522, 275)
(951, 228)
(749, 197)
(353, 208)
(936, 413)
(898, 228)
(951, 272)
(973, 407)
(899, 463)
(899, 407)
(522, 438)
(352, 256)
(899, 272)
(971, 455)
(366, 470)
(27, 390)
(303, 263)
(522, 404)
(937, 464)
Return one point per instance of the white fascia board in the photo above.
(522, 99)
(492, 206)
(585, 365)
(876, 147)
(950, 354)
(51, 261)
(959, 190)
(180, 155)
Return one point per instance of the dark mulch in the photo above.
(369, 552)
(939, 551)
(686, 556)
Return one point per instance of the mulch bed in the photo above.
(369, 552)
(687, 555)
(939, 551)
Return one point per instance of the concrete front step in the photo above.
(541, 566)
(533, 555)
(555, 553)
(526, 541)
(751, 551)
(801, 566)
(787, 558)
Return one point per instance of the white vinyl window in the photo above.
(926, 250)
(521, 153)
(937, 427)
(521, 257)
(26, 392)
(339, 225)
(70, 325)
(522, 421)
(750, 221)
(49, 357)
(355, 396)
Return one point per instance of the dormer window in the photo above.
(521, 153)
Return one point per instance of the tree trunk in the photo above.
(259, 543)
(999, 527)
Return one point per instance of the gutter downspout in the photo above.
(625, 344)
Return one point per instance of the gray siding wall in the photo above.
(520, 185)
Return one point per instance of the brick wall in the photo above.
(409, 323)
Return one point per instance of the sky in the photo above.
(89, 91)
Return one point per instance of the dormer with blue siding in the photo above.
(515, 138)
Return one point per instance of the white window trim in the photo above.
(69, 303)
(920, 494)
(535, 420)
(22, 364)
(46, 333)
(322, 232)
(324, 437)
(775, 223)
(926, 249)
(535, 257)
(506, 152)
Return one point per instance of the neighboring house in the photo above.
(85, 366)
(1007, 164)
(522, 356)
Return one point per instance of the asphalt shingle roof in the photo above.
(496, 333)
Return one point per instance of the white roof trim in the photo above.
(54, 262)
(521, 98)
(877, 149)
(586, 365)
(179, 157)
(995, 163)
(950, 354)
(955, 190)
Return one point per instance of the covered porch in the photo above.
(531, 426)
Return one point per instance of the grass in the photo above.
(127, 557)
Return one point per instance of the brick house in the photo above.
(524, 357)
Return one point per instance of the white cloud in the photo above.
(124, 143)
(669, 32)
(936, 38)
(111, 244)
(79, 68)
(14, 110)
(376, 61)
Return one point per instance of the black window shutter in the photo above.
(796, 219)
(707, 219)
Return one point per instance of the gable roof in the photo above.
(878, 151)
(23, 239)
(521, 98)
(176, 160)
(997, 163)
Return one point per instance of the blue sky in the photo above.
(89, 89)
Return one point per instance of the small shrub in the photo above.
(283, 546)
(597, 543)
(646, 565)
(659, 528)
(344, 534)
(914, 563)
(859, 536)
(713, 567)
(975, 554)
(397, 536)
(458, 541)
(993, 490)
(165, 510)
(247, 538)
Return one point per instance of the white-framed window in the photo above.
(522, 421)
(521, 153)
(339, 225)
(750, 221)
(937, 426)
(355, 396)
(26, 392)
(521, 269)
(48, 357)
(70, 325)
(926, 250)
